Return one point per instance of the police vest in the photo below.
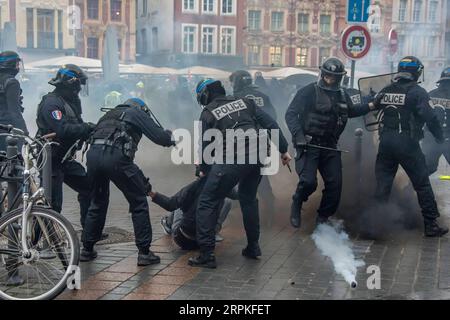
(397, 115)
(69, 114)
(112, 130)
(441, 105)
(326, 120)
(5, 79)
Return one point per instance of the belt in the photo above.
(103, 142)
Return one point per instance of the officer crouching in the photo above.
(406, 108)
(111, 158)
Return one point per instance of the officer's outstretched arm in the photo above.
(150, 129)
(294, 113)
(57, 123)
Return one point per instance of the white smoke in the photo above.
(333, 242)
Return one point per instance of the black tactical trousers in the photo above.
(433, 152)
(307, 162)
(109, 164)
(220, 181)
(400, 149)
(74, 175)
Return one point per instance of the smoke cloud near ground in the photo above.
(335, 244)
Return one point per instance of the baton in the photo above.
(289, 167)
(324, 148)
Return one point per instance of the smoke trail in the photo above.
(334, 243)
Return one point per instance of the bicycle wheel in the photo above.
(33, 277)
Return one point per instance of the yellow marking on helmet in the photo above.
(446, 178)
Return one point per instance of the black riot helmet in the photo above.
(409, 68)
(9, 62)
(240, 79)
(70, 77)
(207, 89)
(136, 103)
(445, 76)
(334, 68)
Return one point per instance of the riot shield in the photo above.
(368, 88)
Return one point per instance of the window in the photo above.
(401, 45)
(209, 40)
(276, 56)
(116, 10)
(209, 6)
(432, 12)
(92, 48)
(154, 39)
(301, 57)
(416, 46)
(402, 10)
(228, 41)
(189, 5)
(254, 20)
(277, 21)
(46, 31)
(189, 39)
(431, 47)
(228, 7)
(417, 10)
(92, 9)
(254, 54)
(30, 28)
(143, 42)
(303, 22)
(325, 23)
(60, 31)
(144, 8)
(324, 53)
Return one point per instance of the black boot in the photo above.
(87, 255)
(252, 251)
(432, 229)
(296, 209)
(147, 259)
(321, 220)
(204, 260)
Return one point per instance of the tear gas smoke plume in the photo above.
(334, 243)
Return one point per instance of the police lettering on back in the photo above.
(441, 102)
(394, 98)
(228, 109)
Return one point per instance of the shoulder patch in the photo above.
(57, 114)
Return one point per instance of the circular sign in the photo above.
(393, 41)
(355, 42)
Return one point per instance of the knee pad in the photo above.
(184, 241)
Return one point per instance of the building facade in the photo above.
(291, 32)
(421, 26)
(447, 33)
(96, 16)
(180, 33)
(41, 28)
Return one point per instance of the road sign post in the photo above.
(355, 44)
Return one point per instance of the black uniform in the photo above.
(10, 104)
(432, 150)
(60, 114)
(407, 108)
(242, 114)
(322, 115)
(110, 158)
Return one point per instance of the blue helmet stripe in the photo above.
(68, 73)
(8, 58)
(204, 84)
(139, 101)
(409, 64)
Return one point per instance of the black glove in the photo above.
(148, 186)
(197, 170)
(171, 137)
(377, 100)
(300, 140)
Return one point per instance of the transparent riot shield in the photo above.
(368, 88)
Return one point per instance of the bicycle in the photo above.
(24, 231)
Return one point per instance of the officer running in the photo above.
(114, 143)
(10, 94)
(60, 112)
(441, 106)
(316, 118)
(406, 108)
(238, 115)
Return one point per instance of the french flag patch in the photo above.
(57, 114)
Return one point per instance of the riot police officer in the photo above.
(60, 112)
(441, 106)
(229, 114)
(406, 108)
(111, 158)
(10, 93)
(316, 118)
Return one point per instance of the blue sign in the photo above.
(357, 11)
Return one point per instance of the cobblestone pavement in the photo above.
(412, 267)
